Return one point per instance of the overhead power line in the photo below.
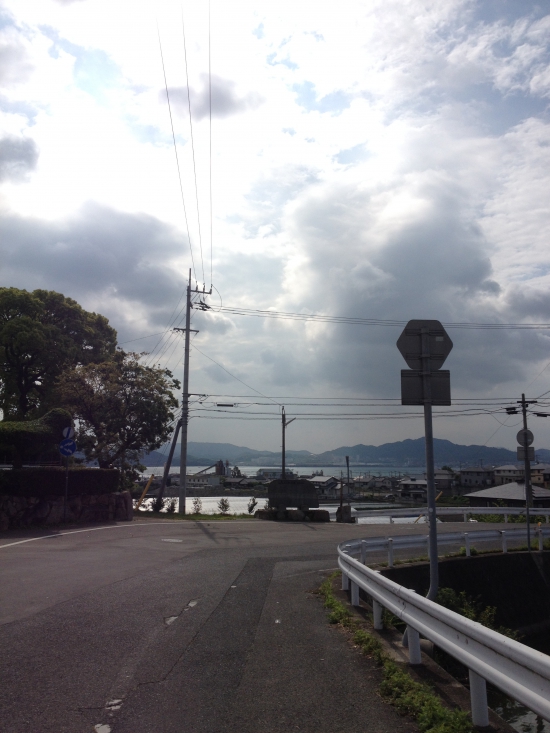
(358, 321)
(192, 140)
(176, 152)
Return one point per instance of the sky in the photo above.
(384, 159)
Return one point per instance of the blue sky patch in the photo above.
(306, 97)
(353, 155)
(259, 31)
(273, 61)
(94, 71)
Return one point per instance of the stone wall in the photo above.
(25, 511)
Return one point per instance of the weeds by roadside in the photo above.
(410, 697)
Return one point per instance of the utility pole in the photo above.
(284, 423)
(527, 465)
(185, 393)
(185, 403)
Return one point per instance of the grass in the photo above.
(409, 697)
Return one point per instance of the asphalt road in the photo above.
(165, 627)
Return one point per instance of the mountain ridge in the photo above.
(405, 452)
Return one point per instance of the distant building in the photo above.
(444, 480)
(325, 485)
(508, 474)
(233, 481)
(540, 475)
(477, 476)
(510, 494)
(271, 474)
(380, 483)
(204, 480)
(413, 489)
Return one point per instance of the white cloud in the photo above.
(388, 161)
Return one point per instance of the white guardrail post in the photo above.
(354, 593)
(390, 552)
(504, 545)
(413, 642)
(377, 615)
(467, 544)
(345, 579)
(478, 700)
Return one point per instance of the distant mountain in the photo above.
(401, 453)
(412, 452)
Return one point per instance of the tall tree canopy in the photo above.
(42, 334)
(122, 408)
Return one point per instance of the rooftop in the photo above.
(513, 490)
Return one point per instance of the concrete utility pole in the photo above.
(184, 422)
(185, 403)
(284, 423)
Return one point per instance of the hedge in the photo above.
(51, 481)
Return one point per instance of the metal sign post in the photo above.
(525, 438)
(425, 345)
(67, 447)
(284, 423)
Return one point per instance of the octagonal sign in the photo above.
(410, 344)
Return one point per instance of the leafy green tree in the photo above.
(41, 334)
(122, 408)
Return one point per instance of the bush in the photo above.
(51, 481)
(197, 505)
(252, 504)
(171, 508)
(223, 505)
(157, 505)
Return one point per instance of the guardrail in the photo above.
(450, 511)
(515, 669)
(390, 544)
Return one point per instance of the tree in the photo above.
(41, 334)
(121, 407)
(223, 505)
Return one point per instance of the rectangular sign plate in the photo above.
(530, 454)
(412, 391)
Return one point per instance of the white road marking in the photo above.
(96, 529)
(102, 728)
(170, 620)
(191, 604)
(172, 540)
